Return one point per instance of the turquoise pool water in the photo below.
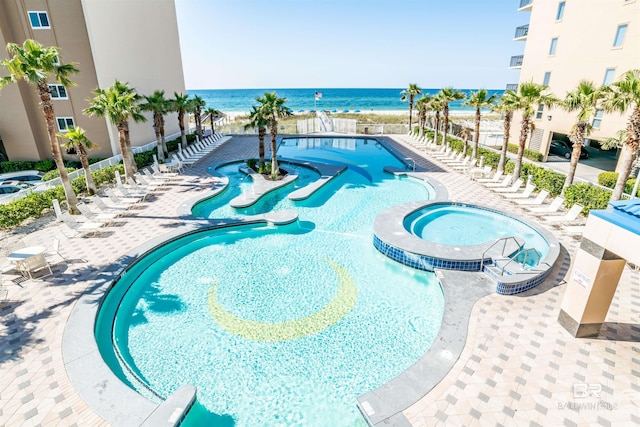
(457, 225)
(278, 325)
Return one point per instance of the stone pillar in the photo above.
(591, 285)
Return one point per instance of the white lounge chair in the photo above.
(495, 178)
(95, 217)
(528, 190)
(30, 265)
(479, 173)
(570, 216)
(537, 201)
(506, 181)
(54, 251)
(81, 228)
(514, 187)
(111, 207)
(118, 200)
(553, 207)
(464, 168)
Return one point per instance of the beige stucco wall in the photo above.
(584, 51)
(136, 41)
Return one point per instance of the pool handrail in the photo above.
(504, 247)
(524, 261)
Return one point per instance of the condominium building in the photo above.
(567, 41)
(132, 41)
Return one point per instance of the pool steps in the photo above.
(261, 186)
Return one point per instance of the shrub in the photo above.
(191, 138)
(6, 167)
(95, 160)
(536, 156)
(608, 179)
(30, 206)
(543, 178)
(144, 159)
(173, 144)
(52, 174)
(45, 165)
(589, 196)
(252, 163)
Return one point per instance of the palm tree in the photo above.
(584, 100)
(422, 105)
(213, 114)
(273, 108)
(621, 96)
(616, 141)
(159, 106)
(506, 105)
(79, 142)
(257, 119)
(180, 104)
(479, 99)
(36, 64)
(527, 99)
(465, 133)
(119, 103)
(408, 95)
(447, 95)
(436, 105)
(196, 108)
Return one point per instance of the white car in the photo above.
(31, 176)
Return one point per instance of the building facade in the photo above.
(132, 41)
(567, 41)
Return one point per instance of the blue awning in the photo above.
(625, 214)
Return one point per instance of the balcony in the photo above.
(521, 32)
(512, 86)
(525, 5)
(516, 61)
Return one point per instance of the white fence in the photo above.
(314, 125)
(80, 172)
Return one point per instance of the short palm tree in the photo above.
(436, 105)
(447, 95)
(257, 119)
(159, 106)
(409, 95)
(584, 100)
(273, 109)
(119, 103)
(506, 106)
(422, 105)
(78, 141)
(196, 108)
(527, 99)
(36, 64)
(622, 96)
(479, 99)
(180, 104)
(213, 115)
(616, 141)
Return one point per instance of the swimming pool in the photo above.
(278, 325)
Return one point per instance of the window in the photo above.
(540, 111)
(597, 119)
(608, 76)
(547, 77)
(554, 45)
(560, 11)
(39, 20)
(58, 92)
(65, 123)
(56, 61)
(620, 33)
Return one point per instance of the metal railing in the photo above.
(525, 3)
(526, 253)
(522, 31)
(512, 86)
(516, 61)
(504, 241)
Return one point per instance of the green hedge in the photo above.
(589, 196)
(536, 156)
(609, 179)
(54, 174)
(543, 178)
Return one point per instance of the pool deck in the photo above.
(517, 366)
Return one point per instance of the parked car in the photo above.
(31, 176)
(8, 187)
(564, 149)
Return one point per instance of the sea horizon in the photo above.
(300, 100)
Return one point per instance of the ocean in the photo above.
(364, 100)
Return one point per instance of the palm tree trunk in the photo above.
(505, 140)
(437, 128)
(275, 171)
(49, 116)
(476, 137)
(156, 128)
(410, 113)
(132, 160)
(91, 185)
(126, 158)
(261, 134)
(524, 131)
(183, 136)
(420, 125)
(211, 117)
(446, 124)
(629, 153)
(163, 142)
(575, 154)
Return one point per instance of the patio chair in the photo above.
(528, 191)
(553, 207)
(118, 200)
(54, 251)
(147, 182)
(495, 178)
(504, 183)
(455, 159)
(95, 217)
(157, 179)
(81, 229)
(514, 187)
(140, 188)
(109, 208)
(479, 173)
(570, 216)
(463, 167)
(537, 201)
(34, 263)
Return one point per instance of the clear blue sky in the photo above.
(348, 43)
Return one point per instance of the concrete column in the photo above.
(592, 283)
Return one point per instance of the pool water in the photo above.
(458, 225)
(278, 325)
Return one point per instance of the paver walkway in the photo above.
(518, 367)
